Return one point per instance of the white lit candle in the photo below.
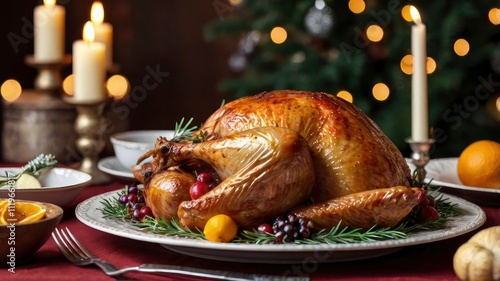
(89, 68)
(48, 31)
(103, 31)
(419, 110)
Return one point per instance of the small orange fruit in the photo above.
(479, 164)
(220, 228)
(21, 212)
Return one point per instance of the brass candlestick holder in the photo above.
(90, 128)
(49, 78)
(420, 157)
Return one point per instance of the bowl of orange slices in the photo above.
(25, 226)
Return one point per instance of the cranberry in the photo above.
(198, 189)
(140, 199)
(432, 201)
(132, 198)
(265, 228)
(205, 177)
(422, 198)
(145, 211)
(427, 213)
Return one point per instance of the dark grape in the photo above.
(287, 229)
(135, 202)
(123, 199)
(292, 219)
(133, 189)
(279, 236)
(136, 214)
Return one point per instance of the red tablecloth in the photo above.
(423, 262)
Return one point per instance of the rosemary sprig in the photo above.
(163, 227)
(113, 209)
(183, 131)
(34, 168)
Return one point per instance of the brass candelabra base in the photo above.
(89, 125)
(420, 157)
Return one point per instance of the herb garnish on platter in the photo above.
(112, 208)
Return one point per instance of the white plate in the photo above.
(443, 172)
(111, 166)
(88, 213)
(60, 186)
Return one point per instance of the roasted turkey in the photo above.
(311, 154)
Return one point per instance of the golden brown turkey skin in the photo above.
(265, 172)
(350, 152)
(385, 207)
(166, 190)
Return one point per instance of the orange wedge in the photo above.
(21, 212)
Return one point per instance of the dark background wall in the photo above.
(157, 34)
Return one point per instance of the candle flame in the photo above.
(49, 3)
(415, 15)
(97, 13)
(88, 32)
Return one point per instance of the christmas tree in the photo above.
(361, 51)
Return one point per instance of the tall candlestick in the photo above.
(49, 31)
(419, 103)
(89, 67)
(103, 31)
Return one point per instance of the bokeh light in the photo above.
(374, 33)
(380, 91)
(235, 2)
(345, 95)
(405, 13)
(407, 64)
(494, 16)
(11, 90)
(278, 35)
(67, 85)
(357, 6)
(430, 65)
(117, 86)
(461, 47)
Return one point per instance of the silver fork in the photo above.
(78, 255)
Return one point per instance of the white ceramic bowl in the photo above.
(60, 186)
(131, 145)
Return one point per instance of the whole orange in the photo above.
(220, 228)
(479, 164)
